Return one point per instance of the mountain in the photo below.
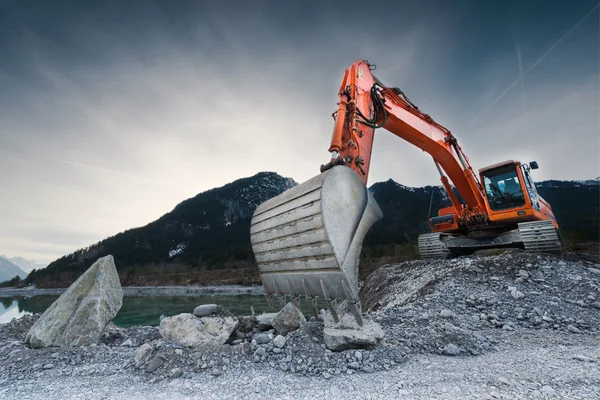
(9, 270)
(25, 265)
(207, 232)
(208, 235)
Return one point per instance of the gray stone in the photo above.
(573, 329)
(260, 352)
(347, 334)
(448, 314)
(155, 364)
(48, 366)
(277, 350)
(523, 274)
(279, 341)
(547, 390)
(205, 310)
(127, 343)
(358, 355)
(596, 305)
(354, 365)
(175, 373)
(263, 338)
(142, 352)
(216, 372)
(288, 319)
(582, 358)
(516, 294)
(264, 322)
(189, 330)
(451, 350)
(79, 315)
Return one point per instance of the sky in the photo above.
(113, 112)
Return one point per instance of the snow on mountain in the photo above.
(9, 270)
(25, 265)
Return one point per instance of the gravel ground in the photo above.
(508, 326)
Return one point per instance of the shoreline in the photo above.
(147, 291)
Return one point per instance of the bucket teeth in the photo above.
(269, 297)
(312, 301)
(333, 308)
(356, 310)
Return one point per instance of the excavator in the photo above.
(307, 240)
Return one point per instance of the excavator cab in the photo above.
(503, 187)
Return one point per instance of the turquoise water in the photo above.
(146, 310)
(141, 310)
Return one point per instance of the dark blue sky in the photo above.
(113, 112)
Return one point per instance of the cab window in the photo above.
(503, 189)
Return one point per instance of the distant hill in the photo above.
(25, 265)
(210, 232)
(9, 270)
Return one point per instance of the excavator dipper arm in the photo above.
(366, 104)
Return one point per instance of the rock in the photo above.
(260, 352)
(347, 334)
(358, 355)
(263, 338)
(582, 358)
(448, 314)
(354, 365)
(142, 352)
(547, 390)
(175, 373)
(216, 372)
(516, 294)
(288, 319)
(451, 350)
(205, 310)
(596, 305)
(127, 343)
(279, 341)
(573, 329)
(155, 364)
(48, 366)
(189, 330)
(264, 322)
(523, 274)
(79, 315)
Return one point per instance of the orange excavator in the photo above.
(307, 240)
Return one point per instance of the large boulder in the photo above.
(79, 315)
(288, 319)
(189, 330)
(347, 334)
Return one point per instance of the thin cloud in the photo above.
(108, 171)
(520, 79)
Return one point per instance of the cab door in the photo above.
(530, 187)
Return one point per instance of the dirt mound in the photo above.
(473, 302)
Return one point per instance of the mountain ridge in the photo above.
(8, 270)
(25, 265)
(210, 231)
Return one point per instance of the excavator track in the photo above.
(539, 236)
(432, 247)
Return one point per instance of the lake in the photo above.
(146, 310)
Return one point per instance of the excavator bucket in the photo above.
(307, 240)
